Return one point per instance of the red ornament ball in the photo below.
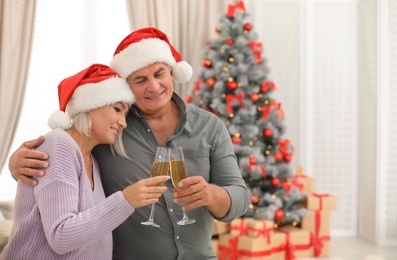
(248, 26)
(254, 97)
(267, 132)
(229, 41)
(236, 139)
(252, 160)
(279, 214)
(232, 85)
(287, 157)
(210, 82)
(207, 63)
(188, 99)
(275, 182)
(278, 156)
(255, 199)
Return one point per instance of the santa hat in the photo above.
(91, 88)
(144, 47)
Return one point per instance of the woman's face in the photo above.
(107, 122)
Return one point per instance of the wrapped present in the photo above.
(243, 248)
(220, 228)
(261, 228)
(291, 243)
(215, 245)
(318, 223)
(303, 182)
(239, 226)
(316, 201)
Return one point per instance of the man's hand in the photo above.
(197, 193)
(24, 162)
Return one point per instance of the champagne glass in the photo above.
(159, 167)
(178, 172)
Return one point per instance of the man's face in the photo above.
(152, 87)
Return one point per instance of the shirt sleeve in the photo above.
(58, 199)
(225, 172)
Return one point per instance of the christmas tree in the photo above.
(234, 83)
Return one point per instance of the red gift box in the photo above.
(261, 228)
(303, 182)
(291, 243)
(318, 222)
(239, 226)
(317, 201)
(243, 248)
(220, 228)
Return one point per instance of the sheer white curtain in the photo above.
(188, 25)
(68, 36)
(16, 30)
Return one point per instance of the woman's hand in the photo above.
(145, 192)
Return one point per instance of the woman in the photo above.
(66, 215)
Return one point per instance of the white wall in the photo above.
(334, 62)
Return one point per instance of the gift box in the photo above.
(261, 228)
(303, 182)
(215, 245)
(239, 226)
(318, 223)
(316, 201)
(220, 228)
(243, 248)
(291, 243)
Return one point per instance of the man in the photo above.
(159, 117)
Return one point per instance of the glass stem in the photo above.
(152, 212)
(184, 215)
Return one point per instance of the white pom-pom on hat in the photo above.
(182, 72)
(147, 46)
(59, 119)
(94, 87)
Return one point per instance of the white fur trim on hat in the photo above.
(95, 95)
(91, 96)
(146, 52)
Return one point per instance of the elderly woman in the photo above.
(66, 215)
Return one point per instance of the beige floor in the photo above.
(357, 249)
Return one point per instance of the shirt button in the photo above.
(177, 237)
(171, 210)
(148, 130)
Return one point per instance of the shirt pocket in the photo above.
(198, 162)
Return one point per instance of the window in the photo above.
(69, 36)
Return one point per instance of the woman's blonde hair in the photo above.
(82, 123)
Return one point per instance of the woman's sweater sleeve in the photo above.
(58, 198)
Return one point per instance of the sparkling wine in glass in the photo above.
(159, 167)
(178, 172)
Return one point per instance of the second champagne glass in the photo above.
(178, 172)
(159, 167)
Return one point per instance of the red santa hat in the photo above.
(94, 87)
(144, 47)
